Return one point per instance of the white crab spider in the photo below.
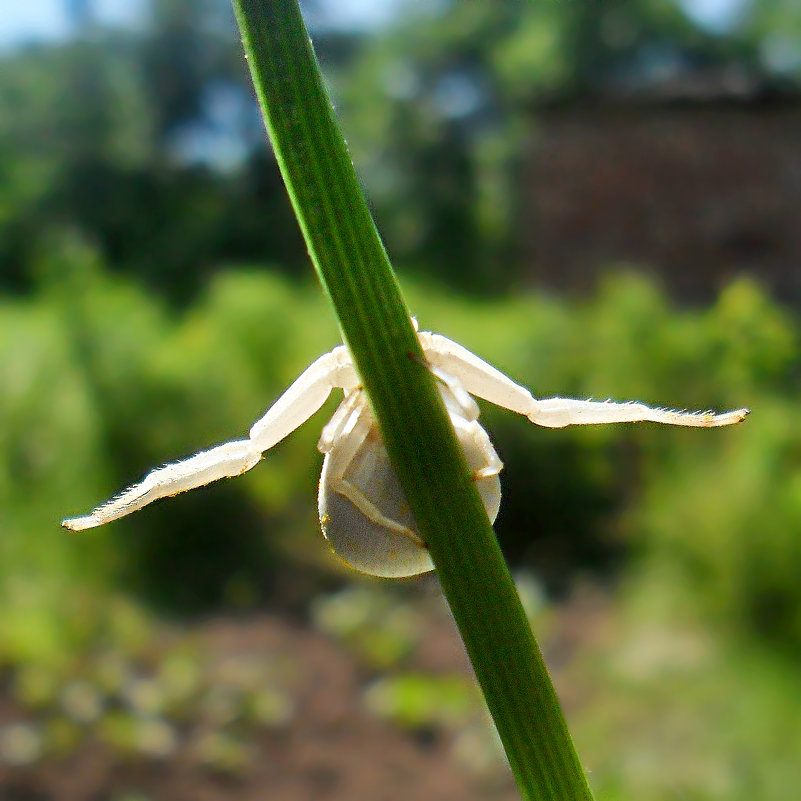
(363, 511)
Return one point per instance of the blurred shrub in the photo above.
(145, 691)
(419, 700)
(99, 382)
(676, 711)
(377, 626)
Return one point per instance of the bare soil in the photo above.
(333, 749)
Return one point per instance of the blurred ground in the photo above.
(328, 744)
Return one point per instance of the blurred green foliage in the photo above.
(122, 136)
(677, 710)
(145, 692)
(100, 382)
(148, 142)
(151, 307)
(374, 625)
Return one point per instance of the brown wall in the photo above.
(697, 193)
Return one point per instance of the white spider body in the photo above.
(363, 511)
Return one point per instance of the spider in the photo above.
(363, 510)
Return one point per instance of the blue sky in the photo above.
(35, 19)
(24, 21)
(41, 20)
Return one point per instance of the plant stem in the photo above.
(355, 272)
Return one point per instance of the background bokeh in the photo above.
(600, 199)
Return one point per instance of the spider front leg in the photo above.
(485, 381)
(303, 398)
(561, 412)
(229, 459)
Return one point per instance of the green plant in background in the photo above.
(144, 692)
(727, 570)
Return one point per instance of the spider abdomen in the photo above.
(364, 514)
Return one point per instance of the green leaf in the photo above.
(354, 269)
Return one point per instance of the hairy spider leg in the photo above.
(298, 403)
(560, 412)
(456, 398)
(464, 413)
(304, 397)
(342, 421)
(226, 460)
(484, 381)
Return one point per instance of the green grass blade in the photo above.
(355, 272)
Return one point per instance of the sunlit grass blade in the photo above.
(354, 269)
